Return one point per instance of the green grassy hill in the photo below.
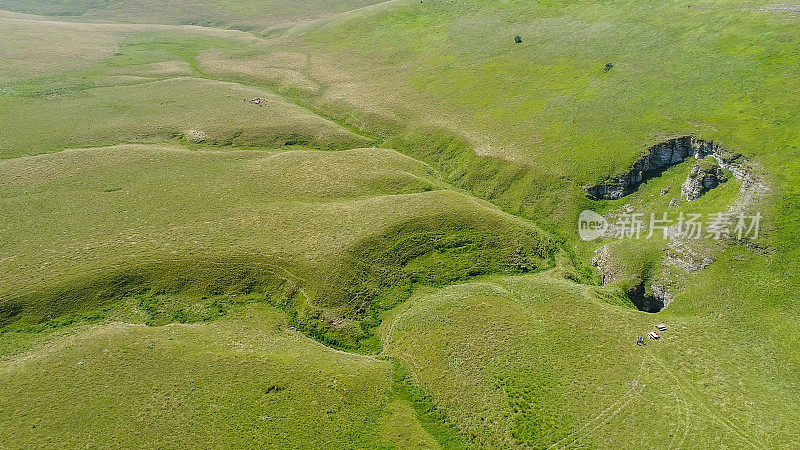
(339, 235)
(248, 15)
(246, 380)
(381, 251)
(547, 361)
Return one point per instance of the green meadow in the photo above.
(354, 224)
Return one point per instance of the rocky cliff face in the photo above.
(681, 255)
(705, 175)
(655, 301)
(657, 159)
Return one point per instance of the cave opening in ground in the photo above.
(644, 301)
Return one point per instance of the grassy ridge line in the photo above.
(416, 233)
(490, 178)
(303, 99)
(449, 152)
(244, 380)
(456, 62)
(503, 183)
(190, 54)
(116, 286)
(516, 188)
(434, 250)
(494, 180)
(147, 55)
(374, 276)
(103, 119)
(101, 288)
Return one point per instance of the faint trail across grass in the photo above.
(605, 415)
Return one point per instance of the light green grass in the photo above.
(34, 49)
(546, 104)
(193, 109)
(239, 207)
(247, 380)
(250, 15)
(352, 230)
(546, 360)
(520, 95)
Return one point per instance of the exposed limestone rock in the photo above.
(705, 175)
(689, 256)
(651, 303)
(781, 8)
(604, 263)
(662, 293)
(195, 136)
(681, 254)
(659, 158)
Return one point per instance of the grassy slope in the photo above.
(164, 219)
(249, 15)
(732, 369)
(546, 360)
(718, 70)
(547, 105)
(194, 112)
(536, 99)
(31, 50)
(246, 380)
(149, 90)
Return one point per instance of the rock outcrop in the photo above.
(659, 158)
(654, 292)
(604, 261)
(653, 300)
(705, 175)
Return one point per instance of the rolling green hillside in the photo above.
(724, 71)
(248, 15)
(353, 224)
(333, 236)
(246, 380)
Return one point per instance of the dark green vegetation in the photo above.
(211, 217)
